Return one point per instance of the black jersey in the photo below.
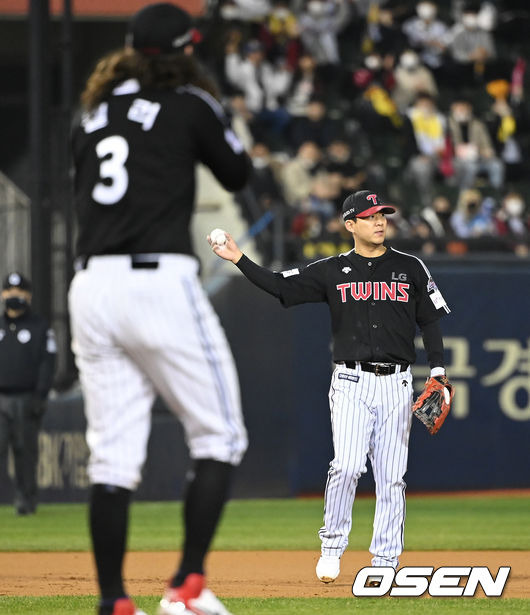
(134, 160)
(27, 354)
(375, 303)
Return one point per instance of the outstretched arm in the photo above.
(433, 342)
(261, 277)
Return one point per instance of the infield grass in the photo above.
(433, 523)
(459, 523)
(84, 605)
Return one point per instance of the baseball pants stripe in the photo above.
(370, 418)
(127, 344)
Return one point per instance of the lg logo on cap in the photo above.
(372, 197)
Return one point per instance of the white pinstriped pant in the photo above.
(370, 417)
(138, 332)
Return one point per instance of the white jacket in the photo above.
(261, 85)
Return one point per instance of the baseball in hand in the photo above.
(218, 236)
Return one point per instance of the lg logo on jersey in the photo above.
(379, 291)
(414, 581)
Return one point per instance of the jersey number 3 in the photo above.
(112, 153)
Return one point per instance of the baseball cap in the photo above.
(16, 280)
(161, 28)
(362, 204)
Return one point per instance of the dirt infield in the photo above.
(263, 574)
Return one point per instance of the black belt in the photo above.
(379, 369)
(138, 261)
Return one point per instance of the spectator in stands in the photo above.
(263, 195)
(296, 176)
(305, 85)
(241, 120)
(338, 162)
(339, 159)
(412, 78)
(279, 34)
(263, 182)
(312, 240)
(428, 35)
(431, 228)
(320, 22)
(376, 69)
(315, 125)
(422, 240)
(398, 227)
(382, 33)
(510, 220)
(245, 10)
(306, 226)
(320, 201)
(370, 89)
(426, 144)
(505, 122)
(473, 217)
(471, 46)
(437, 217)
(262, 84)
(314, 225)
(473, 150)
(486, 12)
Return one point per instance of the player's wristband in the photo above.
(437, 371)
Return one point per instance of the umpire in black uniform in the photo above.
(27, 362)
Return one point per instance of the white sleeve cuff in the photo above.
(437, 371)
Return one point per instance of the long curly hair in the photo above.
(163, 72)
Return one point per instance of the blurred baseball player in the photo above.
(376, 296)
(141, 323)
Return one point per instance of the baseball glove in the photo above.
(433, 405)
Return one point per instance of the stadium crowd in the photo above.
(423, 102)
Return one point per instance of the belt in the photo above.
(138, 261)
(379, 369)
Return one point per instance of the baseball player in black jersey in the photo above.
(141, 323)
(377, 297)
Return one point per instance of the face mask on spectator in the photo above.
(470, 21)
(409, 60)
(514, 207)
(259, 162)
(426, 11)
(461, 116)
(486, 19)
(426, 110)
(281, 13)
(317, 8)
(372, 62)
